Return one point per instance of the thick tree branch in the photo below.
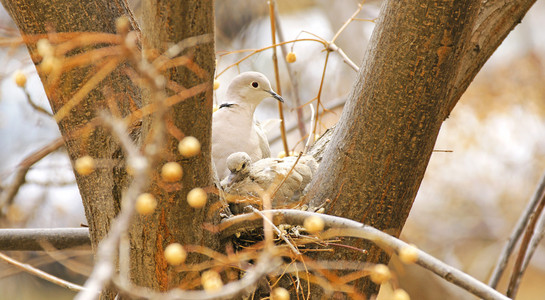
(29, 239)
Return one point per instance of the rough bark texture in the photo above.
(164, 24)
(381, 166)
(100, 191)
(380, 148)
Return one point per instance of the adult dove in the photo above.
(233, 126)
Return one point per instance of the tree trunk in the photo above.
(100, 191)
(373, 166)
(164, 24)
(420, 61)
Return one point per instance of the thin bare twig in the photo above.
(34, 105)
(319, 97)
(292, 78)
(515, 235)
(278, 231)
(23, 168)
(39, 273)
(311, 137)
(266, 264)
(518, 269)
(277, 77)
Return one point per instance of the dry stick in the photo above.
(36, 261)
(277, 77)
(310, 136)
(34, 105)
(23, 168)
(64, 259)
(255, 51)
(37, 272)
(318, 98)
(28, 239)
(291, 76)
(534, 242)
(518, 271)
(104, 71)
(515, 235)
(266, 264)
(345, 227)
(278, 231)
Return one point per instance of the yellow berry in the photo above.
(48, 64)
(408, 254)
(20, 78)
(175, 254)
(380, 273)
(189, 146)
(211, 281)
(85, 165)
(145, 204)
(44, 48)
(400, 294)
(171, 171)
(314, 224)
(196, 198)
(122, 25)
(216, 84)
(291, 58)
(280, 294)
(282, 154)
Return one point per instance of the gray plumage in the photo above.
(247, 181)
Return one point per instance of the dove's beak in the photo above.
(232, 178)
(275, 96)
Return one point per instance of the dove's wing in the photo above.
(263, 141)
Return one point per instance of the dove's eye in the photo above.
(255, 84)
(243, 166)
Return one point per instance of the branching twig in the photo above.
(518, 269)
(517, 232)
(37, 272)
(265, 265)
(23, 168)
(278, 231)
(34, 105)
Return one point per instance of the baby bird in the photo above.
(233, 126)
(248, 180)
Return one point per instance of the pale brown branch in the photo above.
(518, 269)
(22, 169)
(516, 234)
(277, 78)
(291, 76)
(28, 239)
(41, 274)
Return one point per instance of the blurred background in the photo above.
(469, 200)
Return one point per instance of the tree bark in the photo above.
(164, 24)
(373, 166)
(382, 186)
(100, 190)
